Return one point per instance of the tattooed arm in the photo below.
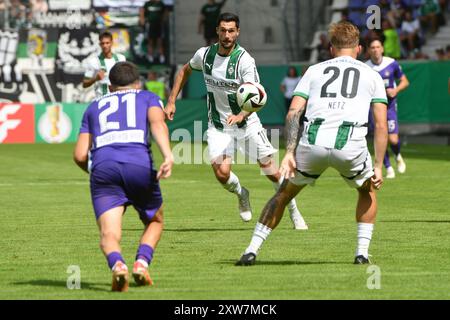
(293, 127)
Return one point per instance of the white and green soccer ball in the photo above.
(251, 96)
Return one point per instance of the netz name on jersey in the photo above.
(221, 84)
(336, 105)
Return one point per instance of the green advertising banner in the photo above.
(58, 122)
(425, 101)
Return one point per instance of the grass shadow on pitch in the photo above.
(285, 262)
(414, 221)
(63, 284)
(196, 229)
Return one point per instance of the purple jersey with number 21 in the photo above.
(119, 127)
(122, 168)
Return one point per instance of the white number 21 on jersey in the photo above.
(113, 106)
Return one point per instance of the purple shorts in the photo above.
(115, 184)
(392, 121)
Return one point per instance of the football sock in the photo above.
(233, 185)
(364, 236)
(292, 205)
(259, 235)
(386, 160)
(113, 257)
(396, 148)
(144, 254)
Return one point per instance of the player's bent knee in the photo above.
(222, 176)
(393, 140)
(159, 216)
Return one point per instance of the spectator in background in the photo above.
(208, 20)
(17, 14)
(154, 85)
(2, 13)
(344, 15)
(152, 16)
(429, 15)
(323, 48)
(39, 6)
(288, 85)
(440, 54)
(447, 52)
(398, 8)
(169, 4)
(385, 7)
(410, 32)
(391, 40)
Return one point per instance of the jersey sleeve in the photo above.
(122, 58)
(303, 87)
(152, 100)
(398, 72)
(196, 63)
(379, 91)
(91, 69)
(85, 122)
(248, 70)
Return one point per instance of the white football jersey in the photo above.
(339, 93)
(101, 63)
(223, 75)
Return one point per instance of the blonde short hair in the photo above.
(343, 35)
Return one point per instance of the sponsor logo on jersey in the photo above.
(221, 84)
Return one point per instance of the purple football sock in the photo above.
(145, 252)
(396, 148)
(113, 257)
(386, 160)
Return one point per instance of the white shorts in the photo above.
(251, 141)
(353, 163)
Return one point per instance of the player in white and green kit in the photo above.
(97, 69)
(337, 95)
(225, 66)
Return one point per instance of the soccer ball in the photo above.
(251, 96)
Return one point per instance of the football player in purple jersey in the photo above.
(115, 129)
(390, 71)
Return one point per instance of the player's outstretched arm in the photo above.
(160, 133)
(180, 80)
(288, 165)
(81, 151)
(380, 141)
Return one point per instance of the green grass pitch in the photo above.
(48, 225)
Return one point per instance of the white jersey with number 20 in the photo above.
(339, 93)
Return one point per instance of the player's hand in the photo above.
(170, 110)
(391, 93)
(165, 170)
(235, 119)
(377, 178)
(100, 75)
(288, 166)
